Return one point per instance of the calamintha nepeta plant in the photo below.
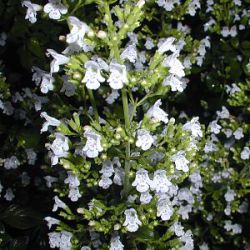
(125, 158)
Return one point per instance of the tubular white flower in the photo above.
(167, 45)
(160, 182)
(78, 30)
(164, 209)
(58, 204)
(118, 76)
(50, 121)
(59, 148)
(142, 181)
(93, 75)
(116, 244)
(44, 79)
(145, 197)
(130, 53)
(58, 60)
(157, 114)
(245, 153)
(51, 221)
(131, 222)
(31, 10)
(11, 163)
(175, 65)
(55, 9)
(144, 139)
(174, 83)
(93, 144)
(193, 126)
(180, 161)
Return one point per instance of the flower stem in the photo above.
(126, 186)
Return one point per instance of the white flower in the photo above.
(131, 222)
(193, 126)
(119, 172)
(164, 209)
(113, 96)
(31, 10)
(58, 204)
(74, 194)
(175, 65)
(187, 239)
(214, 127)
(180, 161)
(235, 228)
(149, 43)
(106, 171)
(232, 90)
(54, 239)
(49, 180)
(210, 146)
(93, 75)
(174, 83)
(31, 155)
(51, 221)
(115, 243)
(58, 60)
(59, 148)
(177, 228)
(3, 38)
(237, 2)
(168, 5)
(204, 246)
(167, 45)
(229, 32)
(245, 153)
(78, 30)
(142, 181)
(184, 211)
(193, 6)
(228, 132)
(11, 163)
(185, 194)
(224, 113)
(118, 76)
(60, 240)
(85, 248)
(157, 114)
(9, 195)
(68, 88)
(72, 180)
(145, 197)
(93, 144)
(144, 139)
(107, 168)
(105, 182)
(229, 195)
(55, 9)
(50, 121)
(160, 182)
(238, 133)
(130, 53)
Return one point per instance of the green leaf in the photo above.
(20, 218)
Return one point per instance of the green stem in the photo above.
(114, 48)
(93, 103)
(126, 186)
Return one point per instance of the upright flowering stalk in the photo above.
(125, 158)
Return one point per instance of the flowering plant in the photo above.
(121, 87)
